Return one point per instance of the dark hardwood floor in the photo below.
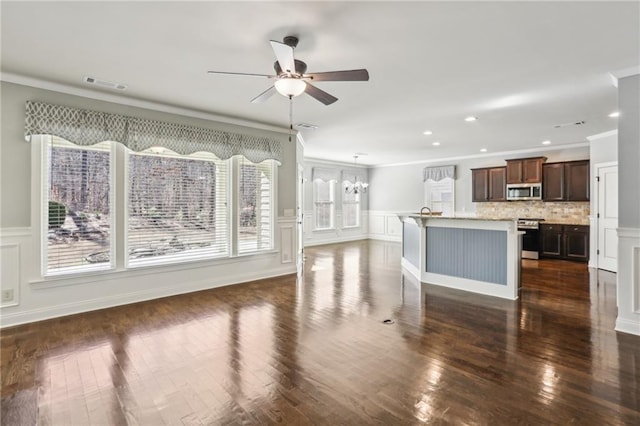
(315, 350)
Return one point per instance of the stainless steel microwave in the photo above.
(524, 191)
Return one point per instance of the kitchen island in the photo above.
(479, 255)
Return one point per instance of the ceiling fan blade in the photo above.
(241, 73)
(320, 95)
(351, 75)
(284, 54)
(264, 95)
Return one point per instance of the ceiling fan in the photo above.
(292, 79)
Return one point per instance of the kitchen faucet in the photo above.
(422, 211)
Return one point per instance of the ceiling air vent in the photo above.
(573, 123)
(306, 126)
(104, 83)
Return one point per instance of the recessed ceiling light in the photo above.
(436, 144)
(471, 118)
(427, 132)
(483, 150)
(615, 114)
(546, 142)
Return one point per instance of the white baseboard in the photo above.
(395, 239)
(626, 326)
(40, 314)
(312, 243)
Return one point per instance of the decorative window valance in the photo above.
(86, 127)
(324, 174)
(438, 173)
(354, 176)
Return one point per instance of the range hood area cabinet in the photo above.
(489, 184)
(525, 170)
(566, 181)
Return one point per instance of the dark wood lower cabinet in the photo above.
(569, 242)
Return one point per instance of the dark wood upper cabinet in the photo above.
(480, 179)
(577, 178)
(553, 178)
(497, 184)
(568, 181)
(525, 170)
(488, 184)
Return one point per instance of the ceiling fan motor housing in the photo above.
(290, 41)
(301, 67)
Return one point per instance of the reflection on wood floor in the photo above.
(315, 350)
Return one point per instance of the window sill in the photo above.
(325, 230)
(351, 227)
(89, 277)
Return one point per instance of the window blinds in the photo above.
(323, 194)
(256, 205)
(78, 207)
(177, 207)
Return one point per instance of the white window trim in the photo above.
(234, 201)
(333, 207)
(428, 202)
(118, 194)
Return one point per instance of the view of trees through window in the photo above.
(79, 221)
(177, 206)
(255, 197)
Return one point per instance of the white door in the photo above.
(300, 218)
(607, 217)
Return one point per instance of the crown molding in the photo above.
(133, 102)
(335, 163)
(622, 73)
(491, 154)
(602, 135)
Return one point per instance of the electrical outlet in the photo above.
(7, 295)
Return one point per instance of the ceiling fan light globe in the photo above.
(290, 87)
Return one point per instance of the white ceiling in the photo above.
(521, 68)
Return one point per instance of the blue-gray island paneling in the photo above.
(477, 254)
(472, 254)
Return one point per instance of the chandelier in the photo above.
(357, 187)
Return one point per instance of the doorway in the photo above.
(607, 216)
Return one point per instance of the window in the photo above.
(350, 209)
(177, 207)
(323, 196)
(174, 208)
(439, 196)
(77, 207)
(256, 206)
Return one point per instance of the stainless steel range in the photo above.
(531, 237)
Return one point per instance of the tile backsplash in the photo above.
(575, 213)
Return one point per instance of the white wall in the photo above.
(36, 298)
(400, 188)
(628, 278)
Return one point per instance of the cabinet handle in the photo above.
(575, 229)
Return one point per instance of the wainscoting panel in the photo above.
(36, 298)
(384, 225)
(628, 281)
(338, 234)
(9, 274)
(287, 239)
